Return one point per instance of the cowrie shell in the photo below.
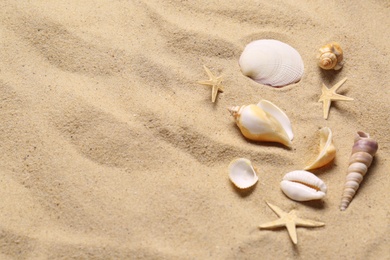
(303, 186)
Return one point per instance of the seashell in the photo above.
(263, 122)
(242, 173)
(331, 57)
(303, 186)
(363, 152)
(271, 62)
(327, 150)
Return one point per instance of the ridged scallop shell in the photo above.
(271, 62)
(242, 174)
(263, 122)
(327, 150)
(303, 186)
(330, 57)
(363, 152)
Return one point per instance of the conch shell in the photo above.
(331, 57)
(327, 150)
(303, 186)
(363, 152)
(271, 62)
(242, 174)
(263, 122)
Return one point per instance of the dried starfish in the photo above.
(214, 82)
(329, 95)
(290, 221)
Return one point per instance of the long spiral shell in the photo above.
(363, 152)
(330, 57)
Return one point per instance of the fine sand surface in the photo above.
(109, 149)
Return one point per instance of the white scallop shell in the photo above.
(303, 186)
(271, 62)
(242, 173)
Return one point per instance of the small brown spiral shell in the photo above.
(363, 152)
(330, 56)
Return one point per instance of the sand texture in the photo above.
(110, 149)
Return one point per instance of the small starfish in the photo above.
(329, 95)
(214, 82)
(290, 221)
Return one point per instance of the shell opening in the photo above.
(316, 188)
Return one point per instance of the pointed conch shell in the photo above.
(327, 150)
(363, 152)
(303, 186)
(271, 62)
(263, 122)
(331, 57)
(242, 174)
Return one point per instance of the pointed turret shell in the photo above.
(330, 57)
(327, 150)
(363, 152)
(303, 186)
(242, 173)
(263, 122)
(271, 62)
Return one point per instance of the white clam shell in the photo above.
(327, 150)
(271, 62)
(263, 122)
(303, 186)
(242, 173)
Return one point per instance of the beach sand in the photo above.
(110, 149)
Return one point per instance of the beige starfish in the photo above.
(214, 82)
(329, 95)
(290, 221)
